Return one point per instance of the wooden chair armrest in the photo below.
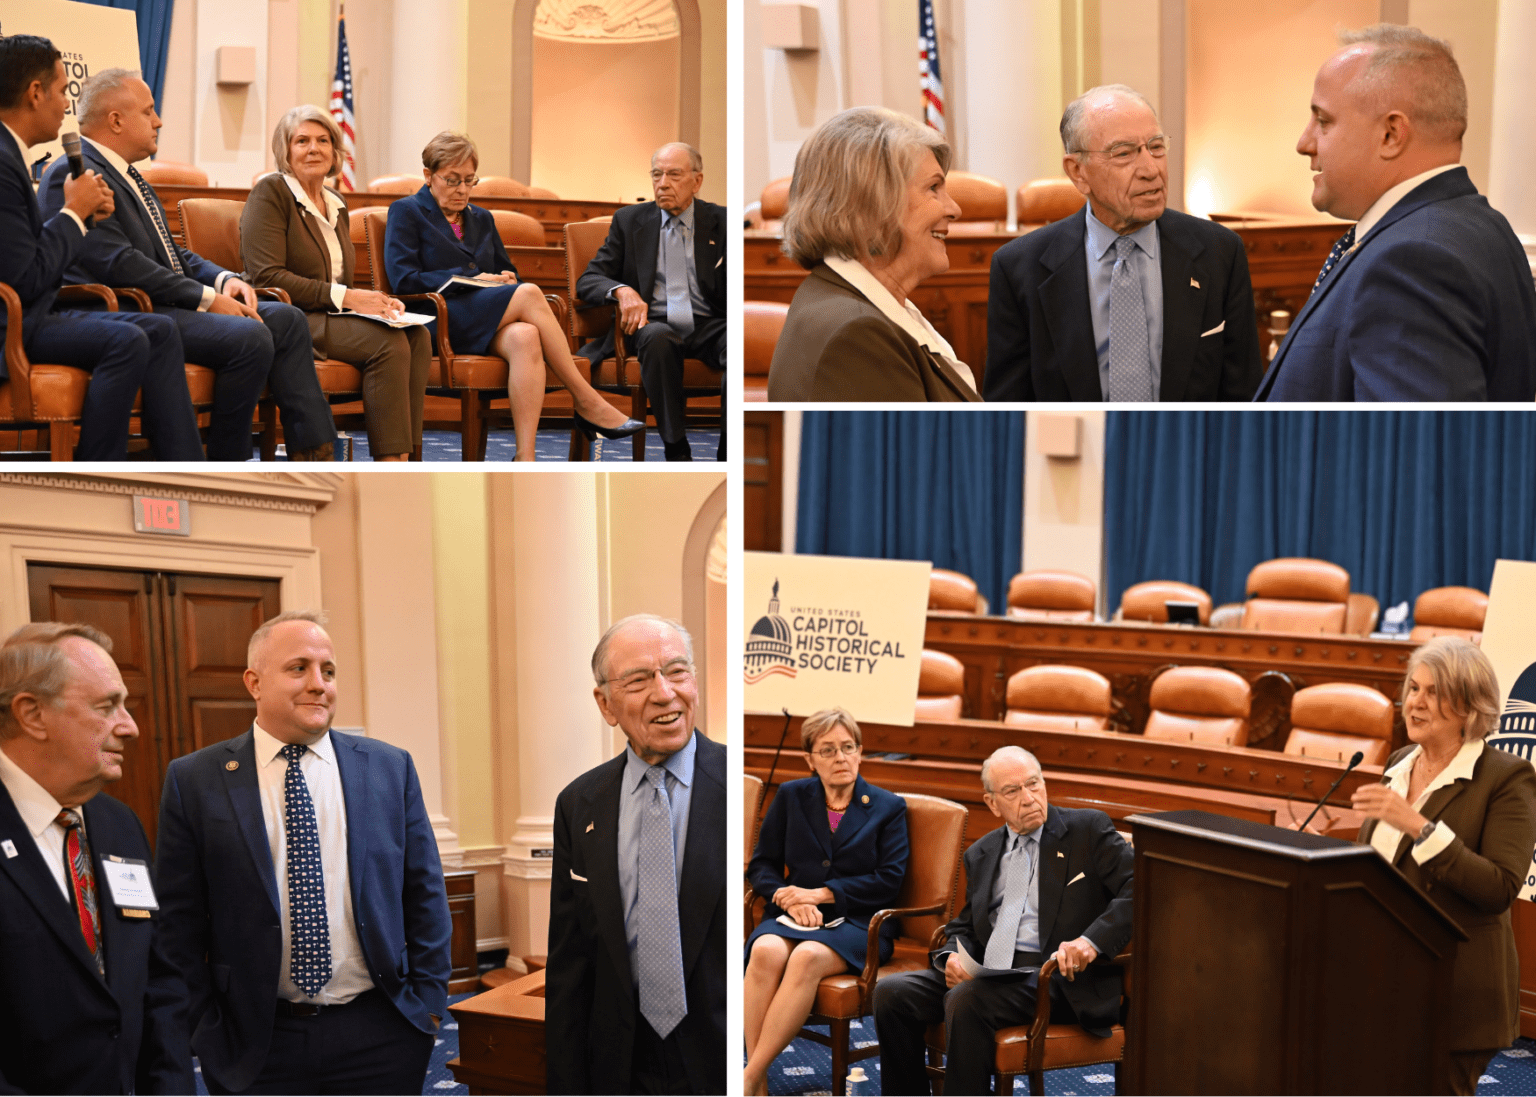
(557, 306)
(275, 294)
(440, 307)
(88, 293)
(872, 953)
(938, 937)
(139, 298)
(1042, 1019)
(18, 369)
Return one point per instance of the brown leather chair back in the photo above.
(211, 228)
(935, 832)
(1449, 611)
(499, 186)
(775, 199)
(761, 323)
(582, 241)
(175, 174)
(1297, 594)
(1057, 595)
(543, 192)
(1041, 201)
(980, 197)
(940, 686)
(518, 230)
(1059, 697)
(396, 184)
(368, 226)
(751, 800)
(1200, 705)
(1148, 601)
(952, 590)
(1361, 613)
(1336, 719)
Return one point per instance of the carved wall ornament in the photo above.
(606, 20)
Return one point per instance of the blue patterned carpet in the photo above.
(550, 445)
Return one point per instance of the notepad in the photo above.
(477, 282)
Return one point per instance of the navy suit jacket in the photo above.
(1040, 329)
(63, 1029)
(628, 258)
(1435, 303)
(863, 863)
(591, 1005)
(33, 253)
(1085, 875)
(125, 249)
(219, 894)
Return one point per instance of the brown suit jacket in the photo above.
(837, 346)
(1474, 880)
(281, 247)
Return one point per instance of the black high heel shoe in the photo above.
(623, 430)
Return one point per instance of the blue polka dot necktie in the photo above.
(1346, 242)
(154, 214)
(309, 930)
(659, 947)
(1130, 356)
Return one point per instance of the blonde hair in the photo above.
(288, 125)
(1413, 72)
(31, 662)
(1464, 682)
(850, 185)
(449, 148)
(828, 719)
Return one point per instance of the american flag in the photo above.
(341, 104)
(928, 66)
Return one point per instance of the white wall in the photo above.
(230, 123)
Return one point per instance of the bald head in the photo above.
(1397, 68)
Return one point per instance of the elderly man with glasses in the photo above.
(1125, 300)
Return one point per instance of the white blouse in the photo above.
(904, 314)
(1385, 838)
(327, 230)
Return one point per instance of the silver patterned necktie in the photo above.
(154, 215)
(659, 947)
(1130, 359)
(1345, 242)
(679, 303)
(1005, 931)
(309, 930)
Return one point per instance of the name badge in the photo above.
(130, 884)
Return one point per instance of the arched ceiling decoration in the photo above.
(606, 20)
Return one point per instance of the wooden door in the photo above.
(762, 480)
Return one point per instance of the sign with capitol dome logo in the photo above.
(834, 630)
(1509, 641)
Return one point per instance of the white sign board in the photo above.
(834, 630)
(1509, 641)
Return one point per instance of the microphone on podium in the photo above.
(1353, 762)
(71, 142)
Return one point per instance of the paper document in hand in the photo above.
(478, 282)
(976, 970)
(404, 320)
(785, 919)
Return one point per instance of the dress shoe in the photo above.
(623, 430)
(326, 451)
(678, 451)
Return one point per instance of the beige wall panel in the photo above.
(1064, 505)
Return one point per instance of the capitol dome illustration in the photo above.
(1517, 725)
(768, 646)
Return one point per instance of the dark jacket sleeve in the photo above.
(1242, 365)
(264, 246)
(571, 981)
(765, 872)
(428, 925)
(32, 265)
(1114, 865)
(960, 926)
(183, 930)
(165, 1053)
(1008, 376)
(866, 359)
(878, 888)
(606, 271)
(402, 252)
(1490, 880)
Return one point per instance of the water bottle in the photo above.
(858, 1083)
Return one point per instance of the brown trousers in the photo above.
(395, 363)
(1467, 1067)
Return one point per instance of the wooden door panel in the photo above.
(212, 618)
(216, 721)
(762, 480)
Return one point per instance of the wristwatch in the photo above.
(1429, 828)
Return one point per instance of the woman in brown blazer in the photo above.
(295, 236)
(868, 216)
(1458, 818)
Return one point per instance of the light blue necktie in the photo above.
(309, 930)
(679, 304)
(1005, 931)
(1130, 359)
(659, 947)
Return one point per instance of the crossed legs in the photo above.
(778, 992)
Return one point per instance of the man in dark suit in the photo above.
(248, 345)
(125, 352)
(304, 901)
(1049, 882)
(1429, 296)
(664, 264)
(1126, 300)
(89, 1003)
(634, 999)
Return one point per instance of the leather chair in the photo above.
(395, 184)
(172, 173)
(761, 323)
(1361, 613)
(1297, 594)
(544, 193)
(1059, 698)
(751, 801)
(1206, 705)
(773, 204)
(518, 229)
(1051, 595)
(621, 373)
(475, 379)
(935, 833)
(211, 228)
(953, 590)
(1449, 611)
(1148, 601)
(499, 186)
(940, 687)
(1336, 719)
(1042, 201)
(983, 203)
(1228, 615)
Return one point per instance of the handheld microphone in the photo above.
(1353, 762)
(71, 142)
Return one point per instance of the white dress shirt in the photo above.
(327, 231)
(26, 150)
(39, 813)
(349, 969)
(1385, 838)
(904, 314)
(1383, 205)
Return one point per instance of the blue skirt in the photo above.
(849, 940)
(474, 316)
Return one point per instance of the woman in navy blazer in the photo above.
(833, 849)
(436, 234)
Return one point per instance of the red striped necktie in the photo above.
(82, 882)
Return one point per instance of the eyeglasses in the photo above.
(637, 681)
(673, 176)
(827, 753)
(453, 182)
(1011, 792)
(1124, 153)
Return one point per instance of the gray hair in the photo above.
(289, 123)
(1017, 753)
(31, 662)
(91, 104)
(259, 637)
(818, 724)
(1464, 682)
(600, 653)
(1413, 72)
(1074, 138)
(850, 184)
(695, 160)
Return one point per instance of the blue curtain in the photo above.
(915, 485)
(154, 19)
(1405, 500)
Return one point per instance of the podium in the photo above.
(1271, 961)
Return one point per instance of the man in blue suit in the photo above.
(248, 345)
(1429, 296)
(89, 1003)
(125, 352)
(302, 894)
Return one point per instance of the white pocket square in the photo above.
(719, 260)
(1219, 327)
(582, 879)
(1075, 879)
